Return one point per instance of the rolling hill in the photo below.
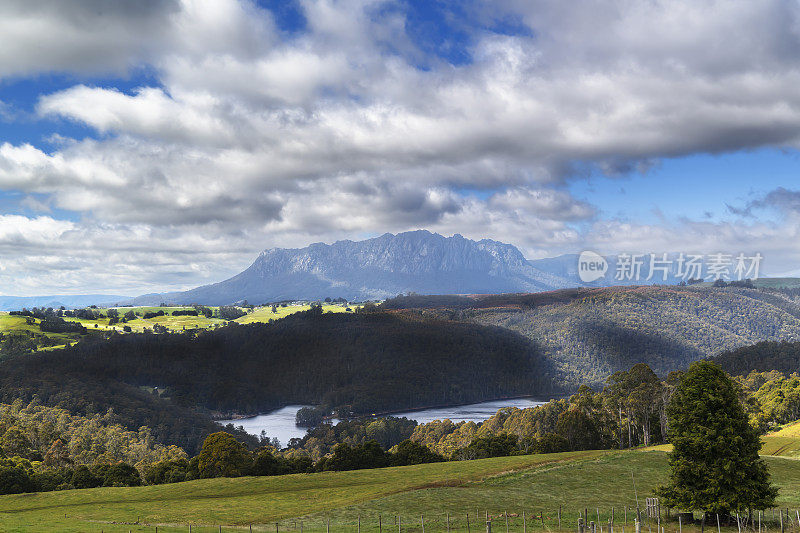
(588, 334)
(783, 356)
(364, 363)
(443, 494)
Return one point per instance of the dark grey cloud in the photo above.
(786, 201)
(90, 36)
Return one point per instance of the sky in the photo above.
(154, 145)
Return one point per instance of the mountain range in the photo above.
(416, 261)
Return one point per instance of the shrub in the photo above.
(83, 478)
(121, 475)
(493, 446)
(15, 480)
(344, 457)
(412, 453)
(223, 456)
(167, 472)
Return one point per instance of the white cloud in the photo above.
(253, 139)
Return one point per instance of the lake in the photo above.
(280, 423)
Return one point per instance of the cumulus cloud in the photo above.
(785, 201)
(87, 36)
(251, 138)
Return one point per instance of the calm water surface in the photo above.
(280, 424)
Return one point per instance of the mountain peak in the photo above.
(414, 261)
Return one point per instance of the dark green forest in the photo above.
(454, 350)
(588, 334)
(353, 364)
(85, 393)
(763, 356)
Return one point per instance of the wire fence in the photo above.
(651, 519)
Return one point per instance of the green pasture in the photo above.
(536, 485)
(17, 324)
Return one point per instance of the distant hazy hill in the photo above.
(12, 303)
(417, 261)
(589, 334)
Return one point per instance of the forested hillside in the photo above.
(588, 334)
(762, 357)
(360, 363)
(53, 379)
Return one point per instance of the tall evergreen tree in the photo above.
(715, 466)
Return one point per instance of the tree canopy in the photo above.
(715, 466)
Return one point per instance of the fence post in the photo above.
(524, 523)
(488, 526)
(680, 524)
(448, 522)
(380, 525)
(581, 527)
(559, 517)
(780, 512)
(359, 523)
(422, 517)
(328, 525)
(468, 523)
(638, 525)
(506, 513)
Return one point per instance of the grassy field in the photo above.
(778, 283)
(784, 442)
(264, 314)
(17, 324)
(534, 484)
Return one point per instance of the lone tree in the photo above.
(715, 465)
